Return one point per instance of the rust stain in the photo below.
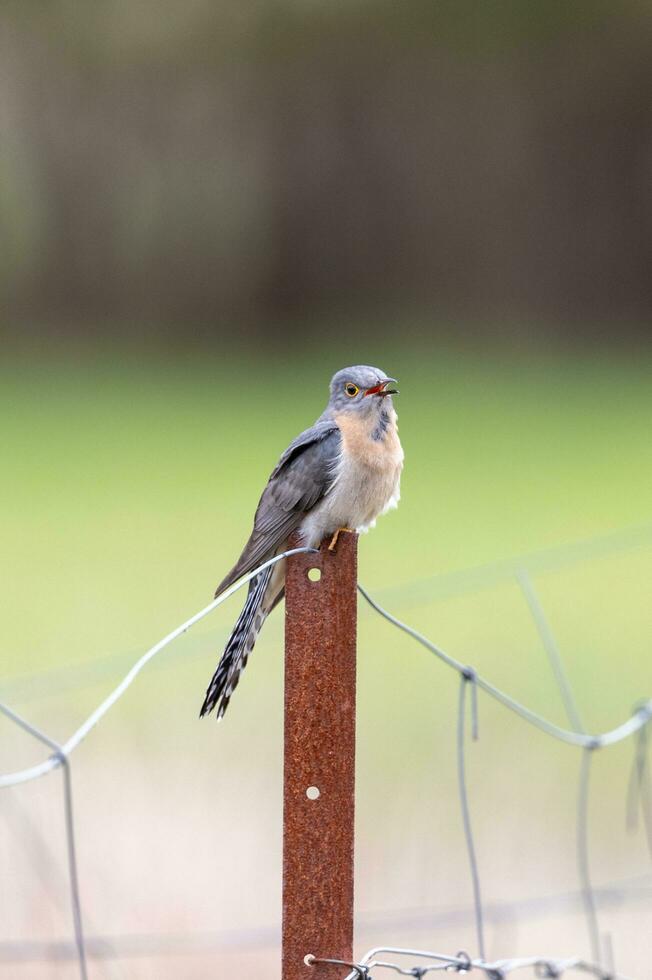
(320, 667)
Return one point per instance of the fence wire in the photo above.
(636, 889)
(635, 725)
(639, 792)
(461, 963)
(59, 680)
(61, 754)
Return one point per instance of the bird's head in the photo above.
(361, 389)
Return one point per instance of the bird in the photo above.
(337, 476)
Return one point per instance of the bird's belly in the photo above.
(359, 495)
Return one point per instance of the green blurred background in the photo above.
(205, 210)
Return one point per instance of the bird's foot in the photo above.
(340, 530)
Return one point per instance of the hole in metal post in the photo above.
(313, 793)
(314, 574)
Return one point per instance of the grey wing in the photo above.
(303, 475)
(316, 433)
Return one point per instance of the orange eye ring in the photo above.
(351, 389)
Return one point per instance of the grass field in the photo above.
(128, 489)
(130, 486)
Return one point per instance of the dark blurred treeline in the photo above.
(210, 162)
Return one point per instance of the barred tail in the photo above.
(239, 646)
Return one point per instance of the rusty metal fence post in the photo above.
(319, 760)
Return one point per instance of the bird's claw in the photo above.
(333, 542)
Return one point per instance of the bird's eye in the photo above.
(351, 389)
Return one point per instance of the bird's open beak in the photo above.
(381, 388)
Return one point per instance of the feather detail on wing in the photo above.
(303, 475)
